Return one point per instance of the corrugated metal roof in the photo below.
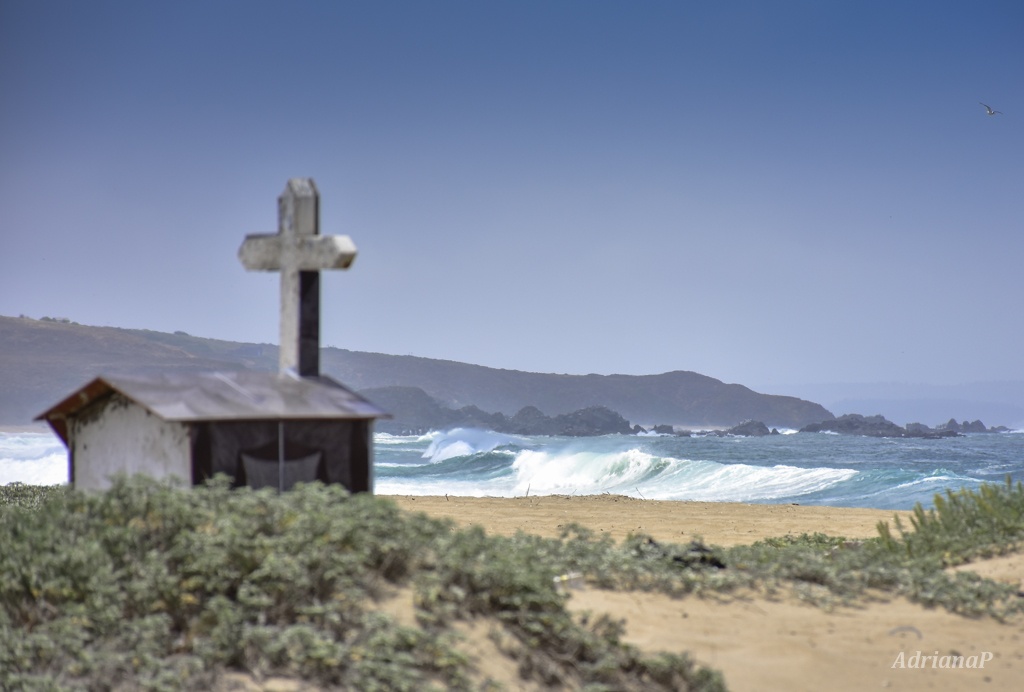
(225, 396)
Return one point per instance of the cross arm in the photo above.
(269, 252)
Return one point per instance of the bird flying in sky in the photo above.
(988, 110)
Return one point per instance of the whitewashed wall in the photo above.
(119, 436)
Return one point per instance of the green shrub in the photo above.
(21, 495)
(965, 524)
(159, 587)
(156, 587)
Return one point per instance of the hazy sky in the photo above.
(763, 192)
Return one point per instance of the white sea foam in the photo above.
(710, 481)
(870, 472)
(634, 472)
(585, 472)
(462, 442)
(33, 458)
(448, 450)
(389, 439)
(939, 479)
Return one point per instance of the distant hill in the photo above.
(42, 361)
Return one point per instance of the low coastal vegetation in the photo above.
(147, 586)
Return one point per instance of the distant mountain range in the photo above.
(42, 361)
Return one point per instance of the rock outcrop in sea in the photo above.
(879, 426)
(416, 412)
(973, 427)
(749, 428)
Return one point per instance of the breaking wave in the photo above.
(841, 470)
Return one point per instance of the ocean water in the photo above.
(806, 468)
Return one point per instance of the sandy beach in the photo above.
(757, 643)
(718, 523)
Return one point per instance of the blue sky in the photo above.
(763, 192)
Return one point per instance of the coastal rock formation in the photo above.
(879, 426)
(416, 412)
(594, 420)
(413, 409)
(750, 428)
(856, 424)
(663, 430)
(973, 427)
(474, 417)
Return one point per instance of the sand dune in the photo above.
(762, 644)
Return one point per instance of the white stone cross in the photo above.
(299, 252)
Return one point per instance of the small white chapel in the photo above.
(260, 429)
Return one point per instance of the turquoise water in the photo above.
(807, 468)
